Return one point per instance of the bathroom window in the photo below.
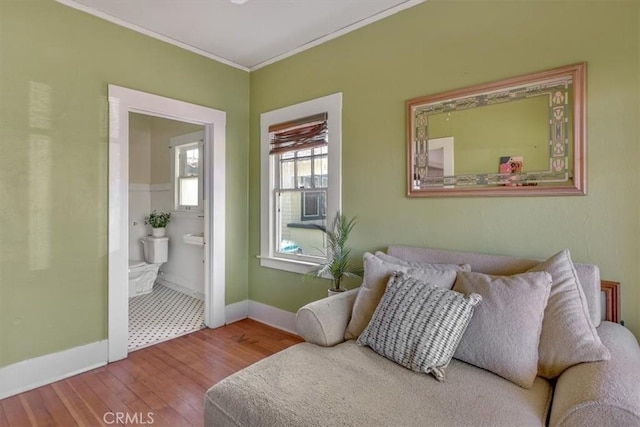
(300, 182)
(188, 162)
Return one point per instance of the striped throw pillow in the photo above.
(418, 325)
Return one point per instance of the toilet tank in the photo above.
(156, 249)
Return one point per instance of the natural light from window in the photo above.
(301, 181)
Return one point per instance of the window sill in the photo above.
(291, 265)
(306, 226)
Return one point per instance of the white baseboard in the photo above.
(170, 282)
(236, 311)
(273, 316)
(33, 373)
(263, 313)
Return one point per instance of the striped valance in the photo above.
(300, 134)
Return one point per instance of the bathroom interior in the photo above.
(166, 274)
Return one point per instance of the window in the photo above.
(302, 170)
(188, 167)
(313, 206)
(301, 181)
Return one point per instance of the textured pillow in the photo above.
(504, 334)
(568, 336)
(376, 275)
(418, 325)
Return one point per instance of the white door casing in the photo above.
(123, 101)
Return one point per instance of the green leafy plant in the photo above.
(338, 265)
(158, 219)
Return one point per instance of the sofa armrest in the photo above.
(602, 393)
(323, 322)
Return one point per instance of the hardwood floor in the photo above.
(161, 385)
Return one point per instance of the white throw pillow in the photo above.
(504, 334)
(376, 275)
(568, 336)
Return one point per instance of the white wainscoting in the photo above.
(139, 208)
(185, 266)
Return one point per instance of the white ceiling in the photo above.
(247, 36)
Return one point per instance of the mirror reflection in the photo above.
(522, 132)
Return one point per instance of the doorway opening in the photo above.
(166, 263)
(122, 103)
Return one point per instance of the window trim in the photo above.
(331, 104)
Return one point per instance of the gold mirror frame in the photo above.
(565, 88)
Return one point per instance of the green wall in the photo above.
(56, 62)
(484, 134)
(55, 65)
(438, 46)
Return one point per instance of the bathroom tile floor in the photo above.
(162, 315)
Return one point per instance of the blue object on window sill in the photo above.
(289, 247)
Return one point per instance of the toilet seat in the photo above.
(135, 263)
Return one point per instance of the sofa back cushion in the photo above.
(500, 265)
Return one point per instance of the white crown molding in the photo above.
(349, 28)
(320, 40)
(147, 32)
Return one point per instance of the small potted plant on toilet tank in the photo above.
(158, 221)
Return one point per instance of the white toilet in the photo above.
(143, 274)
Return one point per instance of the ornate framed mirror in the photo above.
(518, 137)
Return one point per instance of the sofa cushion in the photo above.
(348, 385)
(418, 325)
(421, 264)
(504, 333)
(501, 265)
(568, 336)
(376, 275)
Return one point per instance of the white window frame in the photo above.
(178, 145)
(331, 104)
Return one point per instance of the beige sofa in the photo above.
(328, 381)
